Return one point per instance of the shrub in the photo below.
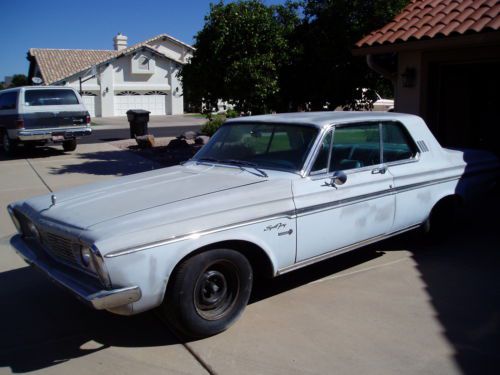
(232, 113)
(212, 125)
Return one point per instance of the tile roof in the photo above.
(57, 64)
(426, 19)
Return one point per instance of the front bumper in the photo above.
(95, 297)
(49, 133)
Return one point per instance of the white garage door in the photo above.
(89, 102)
(154, 102)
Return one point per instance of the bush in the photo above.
(212, 125)
(232, 113)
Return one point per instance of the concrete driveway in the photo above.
(402, 306)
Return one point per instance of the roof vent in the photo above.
(120, 42)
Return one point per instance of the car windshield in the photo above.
(42, 97)
(260, 145)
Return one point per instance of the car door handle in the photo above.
(380, 170)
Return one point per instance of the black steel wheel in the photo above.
(208, 293)
(69, 145)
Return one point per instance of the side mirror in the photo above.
(338, 178)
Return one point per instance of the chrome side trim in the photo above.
(196, 234)
(288, 215)
(360, 198)
(309, 261)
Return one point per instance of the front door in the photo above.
(332, 216)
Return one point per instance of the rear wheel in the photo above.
(208, 293)
(69, 145)
(442, 219)
(8, 145)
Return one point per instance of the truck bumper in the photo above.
(100, 299)
(49, 133)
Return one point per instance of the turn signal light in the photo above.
(87, 119)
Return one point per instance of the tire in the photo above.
(441, 220)
(69, 145)
(208, 293)
(9, 146)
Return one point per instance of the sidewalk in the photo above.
(154, 121)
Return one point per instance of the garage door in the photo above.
(153, 101)
(89, 102)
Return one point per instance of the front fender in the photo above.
(151, 268)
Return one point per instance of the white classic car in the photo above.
(267, 195)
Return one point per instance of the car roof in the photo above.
(322, 119)
(19, 88)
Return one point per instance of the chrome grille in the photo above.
(60, 248)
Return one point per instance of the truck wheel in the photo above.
(69, 145)
(8, 145)
(208, 293)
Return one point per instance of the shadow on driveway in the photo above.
(33, 153)
(116, 163)
(43, 326)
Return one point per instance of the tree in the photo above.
(326, 73)
(240, 54)
(19, 80)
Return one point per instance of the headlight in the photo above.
(32, 230)
(92, 260)
(14, 219)
(86, 257)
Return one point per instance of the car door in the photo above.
(332, 216)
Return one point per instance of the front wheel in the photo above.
(208, 293)
(69, 145)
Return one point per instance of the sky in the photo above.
(91, 24)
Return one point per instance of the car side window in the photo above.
(355, 146)
(8, 100)
(397, 143)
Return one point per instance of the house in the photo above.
(142, 76)
(443, 57)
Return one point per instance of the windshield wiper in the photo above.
(213, 160)
(245, 163)
(239, 163)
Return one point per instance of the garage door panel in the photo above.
(89, 102)
(156, 104)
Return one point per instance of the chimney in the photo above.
(120, 42)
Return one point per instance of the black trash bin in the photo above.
(138, 120)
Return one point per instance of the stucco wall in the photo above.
(407, 99)
(117, 76)
(173, 50)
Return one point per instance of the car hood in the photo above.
(90, 205)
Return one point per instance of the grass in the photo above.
(195, 115)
